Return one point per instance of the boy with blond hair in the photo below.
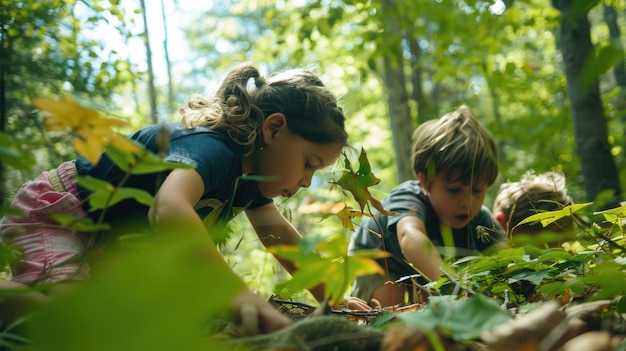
(441, 213)
(532, 194)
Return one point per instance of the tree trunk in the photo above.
(416, 79)
(610, 17)
(154, 114)
(397, 95)
(168, 64)
(5, 63)
(590, 127)
(619, 71)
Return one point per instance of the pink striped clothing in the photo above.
(46, 246)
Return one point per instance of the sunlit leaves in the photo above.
(141, 163)
(328, 264)
(548, 217)
(614, 215)
(346, 215)
(325, 261)
(105, 195)
(93, 131)
(357, 183)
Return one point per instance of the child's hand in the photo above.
(354, 303)
(256, 315)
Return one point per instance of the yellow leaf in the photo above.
(65, 113)
(122, 143)
(345, 215)
(366, 266)
(613, 215)
(548, 217)
(89, 151)
(93, 131)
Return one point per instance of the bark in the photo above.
(151, 90)
(590, 126)
(397, 95)
(416, 79)
(168, 64)
(610, 17)
(619, 71)
(5, 61)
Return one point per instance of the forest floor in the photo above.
(551, 326)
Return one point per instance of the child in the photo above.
(455, 161)
(532, 194)
(284, 128)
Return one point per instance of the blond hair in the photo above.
(456, 145)
(530, 195)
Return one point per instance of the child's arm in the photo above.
(274, 229)
(418, 249)
(173, 210)
(173, 214)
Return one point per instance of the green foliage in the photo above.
(546, 218)
(461, 320)
(155, 298)
(325, 261)
(605, 57)
(357, 183)
(13, 155)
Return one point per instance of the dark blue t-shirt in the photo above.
(408, 199)
(216, 157)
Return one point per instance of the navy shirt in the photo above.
(408, 199)
(216, 157)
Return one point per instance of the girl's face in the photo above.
(288, 159)
(454, 202)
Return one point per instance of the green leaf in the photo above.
(328, 264)
(9, 211)
(614, 215)
(105, 195)
(546, 218)
(609, 277)
(94, 184)
(76, 224)
(104, 199)
(146, 162)
(621, 305)
(500, 259)
(462, 320)
(554, 255)
(533, 277)
(604, 58)
(358, 182)
(156, 299)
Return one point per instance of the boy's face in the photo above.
(454, 202)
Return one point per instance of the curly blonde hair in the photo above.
(456, 145)
(532, 194)
(309, 106)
